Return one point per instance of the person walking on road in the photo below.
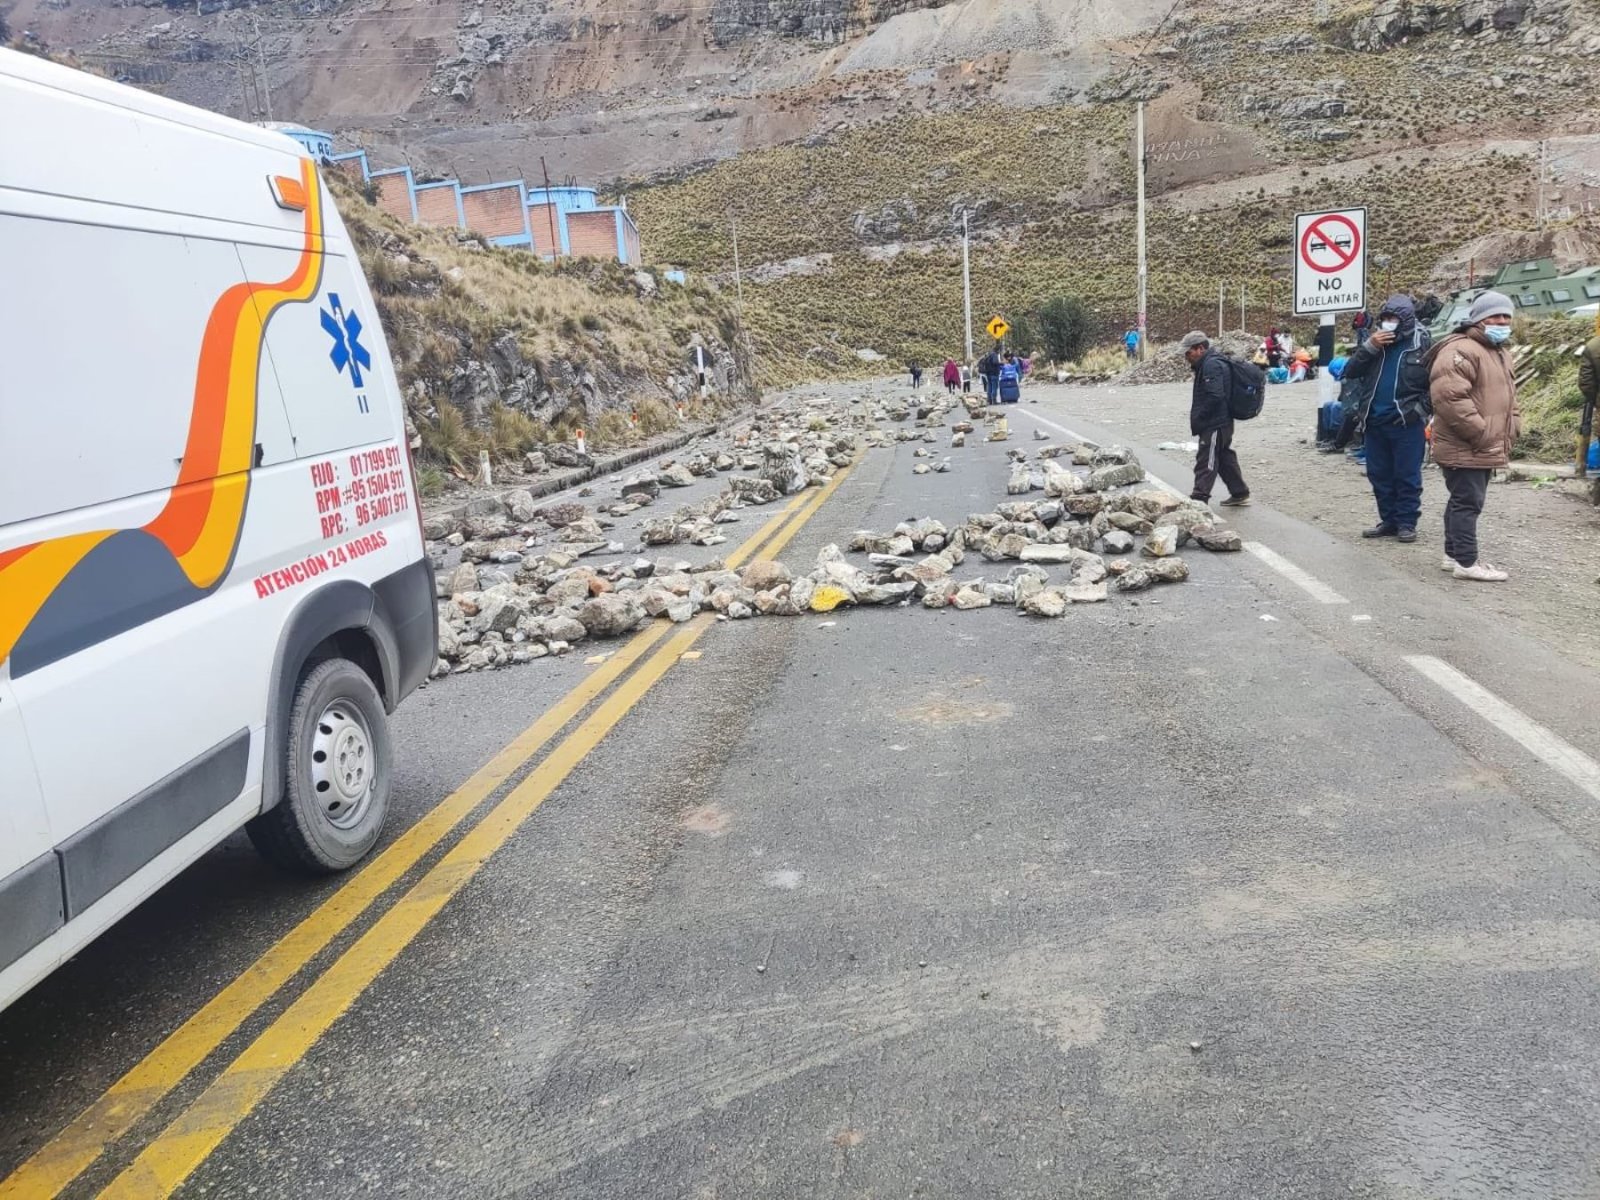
(1387, 380)
(1130, 343)
(915, 368)
(952, 376)
(1475, 423)
(966, 378)
(989, 370)
(1362, 324)
(1009, 381)
(1211, 420)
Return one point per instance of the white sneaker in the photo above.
(1449, 564)
(1482, 572)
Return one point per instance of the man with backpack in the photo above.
(1211, 416)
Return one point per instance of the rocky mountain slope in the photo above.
(847, 136)
(499, 351)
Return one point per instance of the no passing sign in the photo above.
(1330, 261)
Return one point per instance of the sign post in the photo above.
(998, 327)
(1330, 262)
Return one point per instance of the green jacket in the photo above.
(1589, 370)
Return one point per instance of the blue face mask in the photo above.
(1497, 333)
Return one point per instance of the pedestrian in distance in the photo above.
(989, 370)
(1589, 388)
(952, 376)
(966, 378)
(1362, 324)
(1386, 385)
(916, 373)
(1211, 420)
(1475, 424)
(1273, 348)
(1009, 381)
(1130, 343)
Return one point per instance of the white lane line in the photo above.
(1078, 437)
(1550, 748)
(1310, 584)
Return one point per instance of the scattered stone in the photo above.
(463, 579)
(970, 597)
(677, 475)
(1220, 540)
(1047, 554)
(1161, 542)
(1169, 570)
(1086, 593)
(1118, 542)
(1046, 602)
(764, 575)
(783, 467)
(1134, 578)
(1111, 477)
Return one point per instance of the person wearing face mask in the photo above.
(1387, 387)
(1475, 423)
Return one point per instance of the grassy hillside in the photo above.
(909, 302)
(499, 350)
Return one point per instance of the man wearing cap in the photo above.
(1211, 420)
(1388, 384)
(1475, 423)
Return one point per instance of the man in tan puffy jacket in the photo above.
(1475, 423)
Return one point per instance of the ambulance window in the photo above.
(100, 407)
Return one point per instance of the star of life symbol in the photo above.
(345, 330)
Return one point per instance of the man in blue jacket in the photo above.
(1388, 376)
(1211, 420)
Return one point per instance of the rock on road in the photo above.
(1210, 891)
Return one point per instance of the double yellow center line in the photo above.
(178, 1150)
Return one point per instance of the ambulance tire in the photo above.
(338, 769)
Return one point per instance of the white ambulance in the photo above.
(213, 587)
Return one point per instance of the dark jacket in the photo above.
(989, 364)
(1213, 380)
(1361, 372)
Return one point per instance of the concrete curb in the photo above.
(576, 476)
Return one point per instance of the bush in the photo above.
(1065, 327)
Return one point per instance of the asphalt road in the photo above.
(1227, 890)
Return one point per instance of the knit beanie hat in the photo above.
(1490, 304)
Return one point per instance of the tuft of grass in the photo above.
(430, 481)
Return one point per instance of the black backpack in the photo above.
(1247, 388)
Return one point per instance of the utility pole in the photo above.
(1544, 159)
(1144, 278)
(550, 210)
(1241, 306)
(1220, 287)
(966, 282)
(738, 281)
(261, 57)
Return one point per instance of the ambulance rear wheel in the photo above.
(338, 768)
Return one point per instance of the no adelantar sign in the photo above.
(1330, 261)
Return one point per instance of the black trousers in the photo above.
(1216, 457)
(1468, 487)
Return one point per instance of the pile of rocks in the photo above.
(522, 589)
(1166, 364)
